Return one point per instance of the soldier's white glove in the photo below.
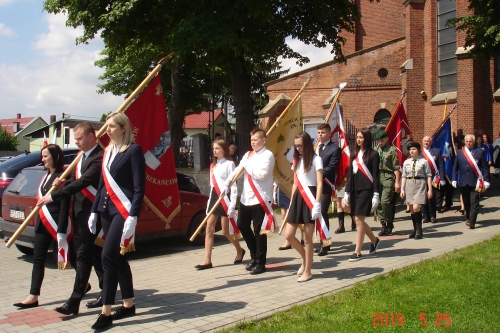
(92, 222)
(442, 183)
(62, 241)
(486, 185)
(346, 199)
(454, 184)
(375, 200)
(316, 211)
(231, 212)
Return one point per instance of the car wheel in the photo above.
(25, 250)
(193, 225)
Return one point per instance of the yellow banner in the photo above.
(280, 142)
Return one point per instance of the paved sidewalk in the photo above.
(171, 295)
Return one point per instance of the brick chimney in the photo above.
(52, 119)
(18, 116)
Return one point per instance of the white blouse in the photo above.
(222, 169)
(309, 178)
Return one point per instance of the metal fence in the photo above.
(351, 130)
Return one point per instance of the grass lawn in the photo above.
(463, 286)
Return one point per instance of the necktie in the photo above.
(321, 145)
(84, 157)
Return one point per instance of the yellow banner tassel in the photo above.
(63, 265)
(129, 248)
(236, 236)
(99, 242)
(327, 242)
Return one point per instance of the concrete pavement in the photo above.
(171, 295)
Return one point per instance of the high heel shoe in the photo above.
(239, 261)
(26, 305)
(462, 212)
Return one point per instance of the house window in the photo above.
(446, 47)
(382, 117)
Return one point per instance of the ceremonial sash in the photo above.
(120, 200)
(233, 228)
(269, 223)
(362, 167)
(51, 226)
(472, 161)
(436, 179)
(329, 183)
(309, 199)
(89, 192)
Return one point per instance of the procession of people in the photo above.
(108, 186)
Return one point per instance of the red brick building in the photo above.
(401, 45)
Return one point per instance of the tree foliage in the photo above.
(7, 141)
(482, 28)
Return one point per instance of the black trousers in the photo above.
(471, 202)
(445, 194)
(326, 200)
(41, 245)
(88, 254)
(429, 209)
(115, 266)
(257, 243)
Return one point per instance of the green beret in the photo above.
(381, 135)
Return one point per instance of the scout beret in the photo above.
(414, 145)
(381, 135)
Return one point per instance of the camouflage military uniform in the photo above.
(389, 163)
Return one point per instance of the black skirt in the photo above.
(299, 212)
(213, 199)
(361, 202)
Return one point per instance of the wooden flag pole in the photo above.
(446, 118)
(271, 129)
(395, 109)
(70, 168)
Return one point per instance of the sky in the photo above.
(43, 72)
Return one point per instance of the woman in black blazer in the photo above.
(118, 201)
(361, 192)
(52, 224)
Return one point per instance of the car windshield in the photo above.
(21, 161)
(26, 182)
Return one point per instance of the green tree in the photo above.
(238, 36)
(7, 141)
(482, 28)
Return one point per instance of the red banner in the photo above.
(339, 137)
(399, 133)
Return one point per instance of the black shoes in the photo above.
(94, 304)
(26, 306)
(340, 229)
(433, 220)
(250, 265)
(470, 225)
(258, 269)
(383, 231)
(239, 261)
(87, 289)
(324, 251)
(202, 267)
(353, 226)
(355, 257)
(66, 310)
(123, 312)
(282, 248)
(103, 322)
(374, 247)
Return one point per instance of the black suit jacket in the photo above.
(330, 155)
(466, 171)
(91, 174)
(438, 158)
(129, 172)
(58, 209)
(360, 182)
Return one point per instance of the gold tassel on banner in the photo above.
(236, 236)
(327, 242)
(129, 248)
(99, 242)
(63, 265)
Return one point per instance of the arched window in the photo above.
(382, 117)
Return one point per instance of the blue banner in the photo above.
(444, 141)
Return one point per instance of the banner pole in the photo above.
(395, 109)
(70, 168)
(271, 129)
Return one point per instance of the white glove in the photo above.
(486, 185)
(442, 183)
(375, 200)
(454, 184)
(231, 212)
(346, 199)
(62, 241)
(316, 211)
(129, 227)
(275, 197)
(92, 222)
(223, 188)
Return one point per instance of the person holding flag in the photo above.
(118, 202)
(434, 158)
(256, 199)
(221, 167)
(330, 156)
(471, 174)
(53, 224)
(362, 190)
(82, 184)
(305, 207)
(389, 182)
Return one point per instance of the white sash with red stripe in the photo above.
(89, 192)
(309, 198)
(479, 175)
(362, 166)
(116, 194)
(432, 163)
(51, 226)
(329, 183)
(269, 223)
(233, 228)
